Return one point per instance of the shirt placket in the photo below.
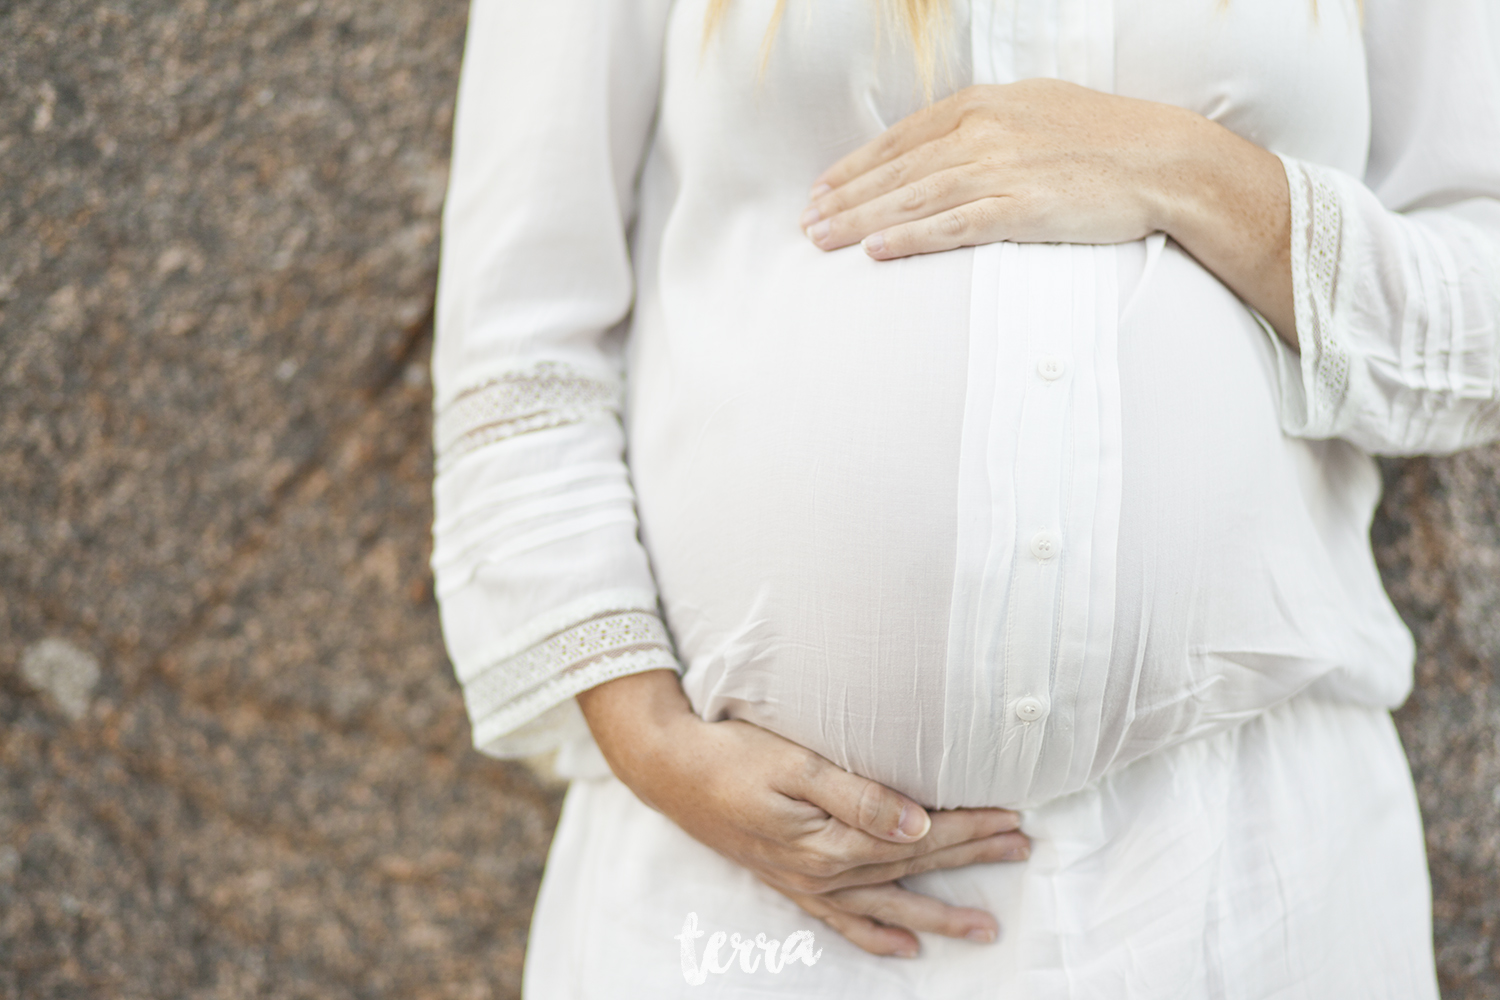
(1039, 482)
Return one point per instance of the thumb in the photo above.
(864, 804)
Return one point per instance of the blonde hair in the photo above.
(925, 22)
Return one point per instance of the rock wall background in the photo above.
(233, 761)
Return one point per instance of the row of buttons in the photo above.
(1044, 544)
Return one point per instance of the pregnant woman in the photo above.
(971, 553)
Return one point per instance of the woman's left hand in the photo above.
(1030, 162)
(1044, 161)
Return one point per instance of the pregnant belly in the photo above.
(802, 490)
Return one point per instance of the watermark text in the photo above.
(748, 953)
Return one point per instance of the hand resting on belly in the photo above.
(833, 842)
(1044, 161)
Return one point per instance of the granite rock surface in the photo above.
(1437, 539)
(233, 761)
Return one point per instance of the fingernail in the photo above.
(875, 243)
(810, 216)
(981, 935)
(1018, 853)
(906, 953)
(914, 823)
(819, 232)
(818, 192)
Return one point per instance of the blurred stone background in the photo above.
(233, 762)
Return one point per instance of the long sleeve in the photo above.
(1397, 276)
(543, 585)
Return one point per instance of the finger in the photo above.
(896, 906)
(853, 848)
(839, 856)
(1002, 847)
(982, 221)
(922, 126)
(913, 165)
(920, 199)
(862, 931)
(858, 802)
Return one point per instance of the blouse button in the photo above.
(1044, 545)
(1051, 368)
(1030, 709)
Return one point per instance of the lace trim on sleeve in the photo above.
(520, 687)
(600, 638)
(1331, 358)
(547, 395)
(1317, 244)
(513, 715)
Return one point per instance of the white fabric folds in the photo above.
(1396, 318)
(543, 584)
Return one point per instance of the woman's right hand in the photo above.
(831, 841)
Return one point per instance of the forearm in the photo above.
(632, 719)
(1225, 201)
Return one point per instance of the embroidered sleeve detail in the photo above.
(1318, 235)
(1330, 356)
(509, 718)
(546, 395)
(611, 643)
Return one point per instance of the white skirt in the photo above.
(1281, 859)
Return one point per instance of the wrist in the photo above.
(636, 721)
(1183, 184)
(1224, 200)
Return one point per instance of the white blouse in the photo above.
(1031, 510)
(986, 525)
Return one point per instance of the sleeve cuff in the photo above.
(514, 696)
(1315, 381)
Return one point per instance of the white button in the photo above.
(1045, 545)
(1051, 368)
(1030, 709)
